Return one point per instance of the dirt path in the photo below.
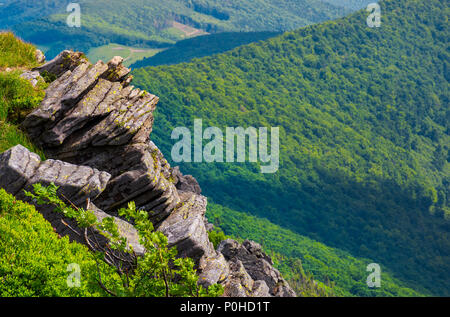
(131, 50)
(188, 30)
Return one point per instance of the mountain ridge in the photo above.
(150, 22)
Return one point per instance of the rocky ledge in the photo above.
(95, 129)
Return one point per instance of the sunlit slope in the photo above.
(155, 22)
(363, 116)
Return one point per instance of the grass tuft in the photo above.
(17, 96)
(16, 53)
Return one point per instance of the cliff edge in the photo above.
(95, 128)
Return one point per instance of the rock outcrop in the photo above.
(91, 116)
(40, 57)
(95, 129)
(249, 258)
(20, 170)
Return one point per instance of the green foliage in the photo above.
(34, 260)
(11, 135)
(216, 236)
(15, 53)
(200, 46)
(303, 283)
(158, 273)
(17, 96)
(312, 268)
(364, 131)
(48, 77)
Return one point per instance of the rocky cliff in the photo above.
(95, 129)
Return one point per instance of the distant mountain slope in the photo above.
(364, 122)
(154, 22)
(201, 46)
(328, 265)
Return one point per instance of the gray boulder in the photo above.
(34, 77)
(65, 61)
(17, 167)
(185, 228)
(40, 57)
(20, 170)
(258, 265)
(185, 183)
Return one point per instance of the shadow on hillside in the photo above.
(377, 219)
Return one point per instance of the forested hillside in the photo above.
(155, 23)
(364, 133)
(201, 46)
(338, 273)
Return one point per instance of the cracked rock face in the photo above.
(95, 130)
(20, 169)
(90, 116)
(185, 228)
(249, 257)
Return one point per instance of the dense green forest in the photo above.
(150, 23)
(338, 273)
(201, 46)
(364, 133)
(351, 4)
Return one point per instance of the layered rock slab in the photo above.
(185, 229)
(250, 257)
(20, 169)
(243, 269)
(91, 116)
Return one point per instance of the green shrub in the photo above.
(17, 98)
(10, 136)
(15, 53)
(216, 236)
(158, 273)
(34, 260)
